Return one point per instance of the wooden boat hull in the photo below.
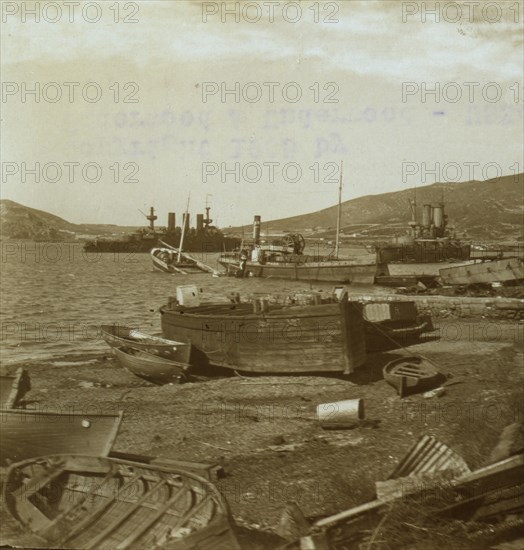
(334, 271)
(319, 338)
(27, 434)
(410, 375)
(118, 336)
(150, 367)
(74, 501)
(503, 271)
(13, 387)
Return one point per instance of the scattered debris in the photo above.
(511, 442)
(293, 523)
(437, 392)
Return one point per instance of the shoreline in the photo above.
(263, 431)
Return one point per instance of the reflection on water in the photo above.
(54, 296)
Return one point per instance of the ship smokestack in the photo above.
(438, 216)
(200, 223)
(426, 216)
(171, 222)
(256, 229)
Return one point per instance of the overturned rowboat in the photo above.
(118, 336)
(412, 374)
(27, 434)
(152, 368)
(75, 501)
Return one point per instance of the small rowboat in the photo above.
(411, 375)
(118, 336)
(75, 501)
(151, 367)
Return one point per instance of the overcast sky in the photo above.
(350, 61)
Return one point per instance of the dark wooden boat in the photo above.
(393, 323)
(152, 368)
(74, 501)
(411, 375)
(302, 268)
(13, 387)
(272, 338)
(28, 434)
(118, 336)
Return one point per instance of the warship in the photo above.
(205, 238)
(430, 246)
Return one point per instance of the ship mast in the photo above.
(337, 241)
(183, 228)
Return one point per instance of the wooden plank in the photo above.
(95, 541)
(95, 514)
(156, 516)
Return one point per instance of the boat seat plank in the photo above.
(95, 514)
(133, 537)
(94, 543)
(36, 483)
(69, 512)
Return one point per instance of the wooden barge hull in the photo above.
(338, 271)
(297, 339)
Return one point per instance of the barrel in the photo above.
(341, 414)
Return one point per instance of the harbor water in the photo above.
(55, 296)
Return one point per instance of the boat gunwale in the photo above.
(149, 340)
(283, 312)
(205, 487)
(151, 359)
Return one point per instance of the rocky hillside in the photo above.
(491, 209)
(21, 222)
(484, 210)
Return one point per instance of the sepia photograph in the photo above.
(262, 274)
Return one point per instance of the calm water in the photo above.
(54, 296)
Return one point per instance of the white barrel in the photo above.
(340, 414)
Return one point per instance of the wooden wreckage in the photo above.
(13, 387)
(506, 271)
(27, 434)
(75, 501)
(432, 476)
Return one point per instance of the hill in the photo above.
(491, 210)
(487, 210)
(21, 222)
